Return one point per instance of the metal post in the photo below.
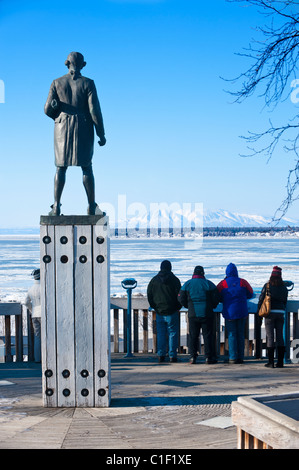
(286, 330)
(129, 284)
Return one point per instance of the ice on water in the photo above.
(141, 258)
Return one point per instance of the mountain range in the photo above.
(188, 219)
(220, 218)
(224, 218)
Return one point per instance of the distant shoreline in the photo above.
(169, 234)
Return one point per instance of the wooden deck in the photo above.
(153, 406)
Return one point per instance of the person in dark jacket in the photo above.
(162, 293)
(234, 293)
(200, 296)
(275, 320)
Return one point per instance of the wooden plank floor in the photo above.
(153, 406)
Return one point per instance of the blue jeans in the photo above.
(167, 328)
(235, 330)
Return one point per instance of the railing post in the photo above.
(295, 326)
(179, 332)
(286, 334)
(217, 333)
(30, 338)
(8, 356)
(136, 335)
(145, 330)
(125, 329)
(246, 337)
(116, 330)
(19, 337)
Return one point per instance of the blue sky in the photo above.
(173, 133)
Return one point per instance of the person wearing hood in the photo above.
(33, 303)
(275, 320)
(234, 293)
(200, 296)
(162, 292)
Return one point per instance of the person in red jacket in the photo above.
(234, 293)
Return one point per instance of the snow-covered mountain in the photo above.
(177, 218)
(224, 218)
(186, 217)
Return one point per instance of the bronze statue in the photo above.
(73, 104)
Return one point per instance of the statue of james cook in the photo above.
(73, 104)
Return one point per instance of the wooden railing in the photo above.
(144, 329)
(18, 338)
(20, 345)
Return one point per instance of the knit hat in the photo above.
(165, 265)
(199, 271)
(276, 271)
(36, 274)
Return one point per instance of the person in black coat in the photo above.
(275, 320)
(162, 293)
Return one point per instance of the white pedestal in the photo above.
(75, 297)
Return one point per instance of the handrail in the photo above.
(14, 314)
(141, 310)
(144, 332)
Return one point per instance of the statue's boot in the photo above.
(93, 209)
(55, 209)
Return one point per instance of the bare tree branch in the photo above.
(274, 60)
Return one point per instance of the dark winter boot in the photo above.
(280, 356)
(270, 362)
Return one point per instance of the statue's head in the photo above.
(75, 62)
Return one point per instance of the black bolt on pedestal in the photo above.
(66, 373)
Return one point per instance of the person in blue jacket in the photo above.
(234, 293)
(200, 296)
